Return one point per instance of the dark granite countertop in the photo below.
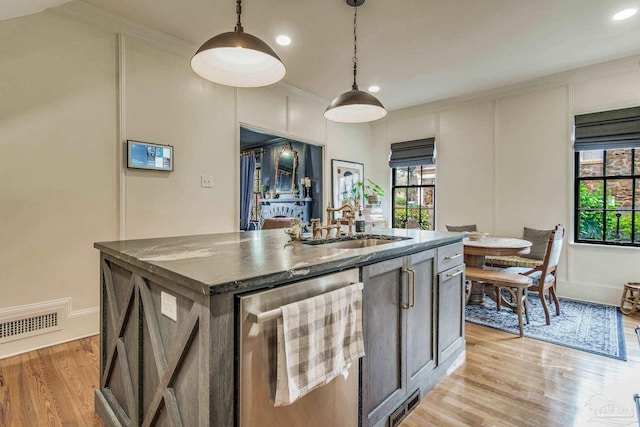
(218, 263)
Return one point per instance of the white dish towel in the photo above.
(318, 338)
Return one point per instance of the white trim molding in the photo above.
(74, 324)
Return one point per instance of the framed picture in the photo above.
(344, 176)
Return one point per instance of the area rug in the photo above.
(590, 327)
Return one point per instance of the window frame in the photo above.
(407, 187)
(634, 177)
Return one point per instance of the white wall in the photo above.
(57, 169)
(167, 103)
(505, 161)
(76, 84)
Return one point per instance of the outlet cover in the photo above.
(169, 306)
(206, 181)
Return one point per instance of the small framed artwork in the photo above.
(344, 177)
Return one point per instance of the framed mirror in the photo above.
(286, 165)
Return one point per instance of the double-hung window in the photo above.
(413, 184)
(607, 177)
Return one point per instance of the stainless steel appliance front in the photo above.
(335, 404)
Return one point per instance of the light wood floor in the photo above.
(51, 387)
(512, 381)
(505, 381)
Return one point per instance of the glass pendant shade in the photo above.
(355, 106)
(238, 59)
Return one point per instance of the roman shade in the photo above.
(608, 130)
(413, 153)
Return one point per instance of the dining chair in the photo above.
(547, 271)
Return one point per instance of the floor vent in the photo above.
(28, 325)
(403, 410)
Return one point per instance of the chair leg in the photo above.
(543, 301)
(526, 306)
(552, 294)
(467, 291)
(498, 291)
(519, 310)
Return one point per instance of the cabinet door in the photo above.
(382, 368)
(450, 312)
(420, 321)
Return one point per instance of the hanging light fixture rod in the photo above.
(355, 106)
(239, 12)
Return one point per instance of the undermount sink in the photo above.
(356, 242)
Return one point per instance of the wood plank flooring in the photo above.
(505, 381)
(53, 386)
(512, 381)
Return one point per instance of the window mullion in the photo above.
(633, 196)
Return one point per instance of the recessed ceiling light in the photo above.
(283, 40)
(624, 14)
(374, 89)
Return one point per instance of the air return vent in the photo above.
(404, 409)
(30, 324)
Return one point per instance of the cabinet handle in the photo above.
(413, 287)
(410, 288)
(452, 257)
(457, 273)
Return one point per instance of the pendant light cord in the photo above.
(239, 28)
(355, 47)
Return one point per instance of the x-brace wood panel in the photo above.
(167, 366)
(116, 344)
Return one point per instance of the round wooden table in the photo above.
(476, 250)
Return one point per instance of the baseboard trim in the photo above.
(77, 324)
(590, 292)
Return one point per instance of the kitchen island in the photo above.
(169, 353)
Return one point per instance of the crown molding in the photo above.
(97, 17)
(591, 72)
(288, 89)
(110, 22)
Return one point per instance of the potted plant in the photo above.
(372, 190)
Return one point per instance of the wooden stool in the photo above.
(630, 295)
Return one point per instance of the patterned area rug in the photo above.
(590, 327)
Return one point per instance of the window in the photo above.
(413, 184)
(607, 183)
(413, 204)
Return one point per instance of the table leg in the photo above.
(477, 289)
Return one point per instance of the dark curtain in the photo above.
(247, 176)
(313, 169)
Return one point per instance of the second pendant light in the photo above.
(355, 106)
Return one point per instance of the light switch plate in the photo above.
(169, 306)
(206, 181)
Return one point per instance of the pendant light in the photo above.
(355, 106)
(238, 59)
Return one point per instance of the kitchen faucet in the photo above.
(348, 212)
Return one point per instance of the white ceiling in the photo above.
(416, 50)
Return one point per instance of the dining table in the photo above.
(476, 250)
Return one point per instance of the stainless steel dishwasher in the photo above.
(335, 404)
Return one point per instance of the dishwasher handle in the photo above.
(267, 316)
